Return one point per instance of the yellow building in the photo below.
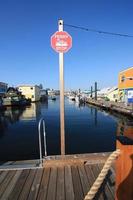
(31, 92)
(125, 83)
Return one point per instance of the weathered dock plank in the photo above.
(84, 180)
(52, 184)
(42, 193)
(6, 181)
(68, 184)
(78, 192)
(35, 185)
(19, 185)
(27, 186)
(60, 194)
(3, 175)
(10, 186)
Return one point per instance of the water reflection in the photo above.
(44, 104)
(9, 116)
(32, 112)
(13, 115)
(3, 124)
(95, 116)
(87, 129)
(19, 132)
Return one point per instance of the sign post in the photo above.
(61, 42)
(62, 118)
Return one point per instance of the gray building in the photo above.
(3, 88)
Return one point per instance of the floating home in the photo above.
(30, 91)
(125, 83)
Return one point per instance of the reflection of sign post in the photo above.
(61, 42)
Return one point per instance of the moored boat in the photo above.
(71, 97)
(53, 97)
(14, 98)
(80, 99)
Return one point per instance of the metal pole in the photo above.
(44, 138)
(40, 144)
(62, 123)
(91, 91)
(96, 91)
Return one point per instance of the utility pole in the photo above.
(91, 91)
(61, 71)
(96, 91)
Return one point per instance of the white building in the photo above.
(112, 94)
(31, 92)
(103, 92)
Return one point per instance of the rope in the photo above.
(96, 185)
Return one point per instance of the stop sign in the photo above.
(61, 41)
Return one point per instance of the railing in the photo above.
(42, 122)
(19, 166)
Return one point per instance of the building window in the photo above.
(31, 88)
(122, 78)
(32, 96)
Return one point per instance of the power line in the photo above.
(98, 31)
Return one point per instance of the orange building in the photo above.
(125, 82)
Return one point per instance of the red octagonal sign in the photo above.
(61, 41)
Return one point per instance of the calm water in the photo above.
(87, 130)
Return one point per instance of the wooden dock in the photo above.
(112, 106)
(65, 179)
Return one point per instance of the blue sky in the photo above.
(26, 56)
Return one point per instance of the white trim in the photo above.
(125, 70)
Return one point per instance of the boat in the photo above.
(15, 101)
(0, 103)
(77, 99)
(14, 98)
(53, 98)
(80, 99)
(71, 97)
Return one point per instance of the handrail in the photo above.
(42, 122)
(44, 138)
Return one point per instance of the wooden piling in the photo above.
(124, 172)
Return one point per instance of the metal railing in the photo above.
(19, 166)
(42, 123)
